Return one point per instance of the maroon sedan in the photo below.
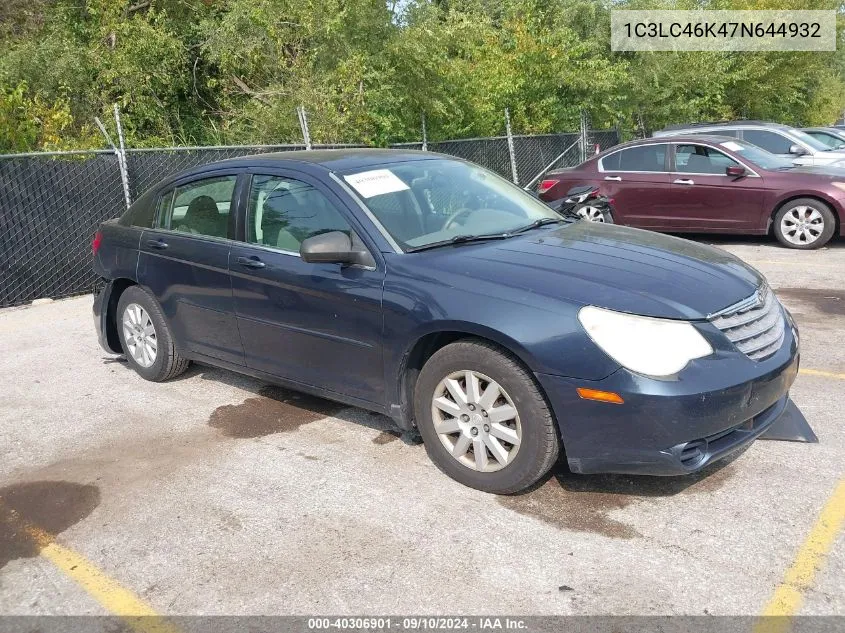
(710, 184)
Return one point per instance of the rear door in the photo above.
(184, 261)
(703, 197)
(312, 323)
(637, 178)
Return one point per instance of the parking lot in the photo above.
(217, 494)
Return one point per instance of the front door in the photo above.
(184, 261)
(704, 198)
(316, 324)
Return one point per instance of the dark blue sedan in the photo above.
(433, 291)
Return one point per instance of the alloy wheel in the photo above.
(802, 225)
(476, 421)
(591, 214)
(139, 333)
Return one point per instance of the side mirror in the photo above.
(797, 150)
(334, 247)
(735, 171)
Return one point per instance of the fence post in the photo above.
(303, 125)
(583, 138)
(124, 168)
(119, 158)
(510, 146)
(425, 136)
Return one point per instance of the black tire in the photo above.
(828, 218)
(539, 445)
(168, 364)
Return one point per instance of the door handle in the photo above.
(683, 181)
(251, 262)
(159, 244)
(615, 178)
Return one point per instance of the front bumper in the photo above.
(712, 408)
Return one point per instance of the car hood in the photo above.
(819, 158)
(619, 268)
(821, 173)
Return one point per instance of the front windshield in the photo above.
(757, 156)
(815, 143)
(831, 140)
(425, 202)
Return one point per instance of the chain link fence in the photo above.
(52, 203)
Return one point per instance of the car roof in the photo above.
(333, 159)
(726, 124)
(677, 138)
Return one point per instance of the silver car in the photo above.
(782, 140)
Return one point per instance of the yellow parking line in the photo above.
(788, 597)
(818, 372)
(108, 592)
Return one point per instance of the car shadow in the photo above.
(273, 409)
(707, 479)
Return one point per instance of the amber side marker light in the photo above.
(601, 396)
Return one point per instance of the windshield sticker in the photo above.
(734, 147)
(376, 182)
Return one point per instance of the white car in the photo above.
(782, 140)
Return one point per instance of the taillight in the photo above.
(545, 185)
(95, 243)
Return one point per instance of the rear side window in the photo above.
(199, 208)
(769, 141)
(141, 213)
(640, 158)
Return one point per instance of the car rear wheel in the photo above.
(804, 223)
(594, 214)
(145, 337)
(483, 419)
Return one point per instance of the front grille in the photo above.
(755, 325)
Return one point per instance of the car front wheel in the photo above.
(804, 223)
(483, 419)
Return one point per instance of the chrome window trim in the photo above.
(379, 226)
(271, 249)
(752, 174)
(199, 236)
(280, 251)
(602, 170)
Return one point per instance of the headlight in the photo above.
(645, 345)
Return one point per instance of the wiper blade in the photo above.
(536, 224)
(460, 239)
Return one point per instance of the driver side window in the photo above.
(700, 159)
(283, 212)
